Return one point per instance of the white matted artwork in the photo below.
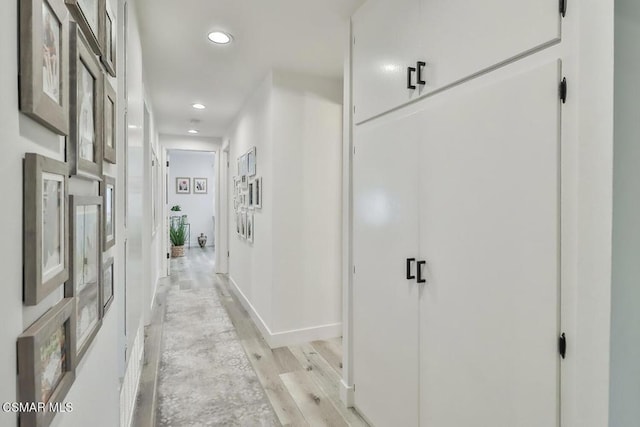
(86, 130)
(183, 185)
(86, 268)
(51, 34)
(243, 224)
(250, 228)
(251, 162)
(250, 195)
(53, 206)
(257, 193)
(199, 185)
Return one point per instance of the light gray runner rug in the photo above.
(205, 378)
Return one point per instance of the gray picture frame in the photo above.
(89, 291)
(108, 284)
(34, 101)
(92, 31)
(36, 285)
(257, 196)
(195, 186)
(30, 367)
(183, 191)
(109, 152)
(83, 58)
(108, 182)
(108, 54)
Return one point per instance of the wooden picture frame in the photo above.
(108, 285)
(46, 350)
(108, 193)
(44, 59)
(109, 40)
(45, 225)
(110, 120)
(85, 267)
(89, 14)
(183, 185)
(200, 186)
(84, 145)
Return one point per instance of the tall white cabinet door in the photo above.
(385, 302)
(489, 315)
(386, 43)
(461, 38)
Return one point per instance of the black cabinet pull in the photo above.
(409, 262)
(420, 65)
(410, 71)
(420, 278)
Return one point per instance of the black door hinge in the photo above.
(563, 7)
(563, 90)
(167, 163)
(228, 254)
(562, 345)
(168, 256)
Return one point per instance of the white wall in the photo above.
(625, 305)
(200, 208)
(290, 276)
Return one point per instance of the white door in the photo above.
(460, 38)
(489, 313)
(386, 44)
(385, 302)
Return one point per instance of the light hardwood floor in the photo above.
(301, 382)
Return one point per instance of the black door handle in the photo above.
(420, 65)
(409, 262)
(420, 278)
(410, 71)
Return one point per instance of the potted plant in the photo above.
(178, 234)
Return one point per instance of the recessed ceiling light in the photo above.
(192, 131)
(219, 37)
(133, 127)
(198, 106)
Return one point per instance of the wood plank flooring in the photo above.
(301, 382)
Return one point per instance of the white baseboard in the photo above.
(285, 338)
(131, 381)
(346, 394)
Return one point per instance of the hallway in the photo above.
(216, 369)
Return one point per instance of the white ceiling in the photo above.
(183, 67)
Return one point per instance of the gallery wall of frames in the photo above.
(67, 53)
(247, 195)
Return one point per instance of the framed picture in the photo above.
(89, 14)
(108, 193)
(85, 268)
(109, 41)
(250, 195)
(45, 250)
(183, 185)
(251, 162)
(238, 223)
(46, 362)
(107, 285)
(110, 117)
(250, 230)
(44, 59)
(84, 146)
(243, 224)
(257, 192)
(200, 185)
